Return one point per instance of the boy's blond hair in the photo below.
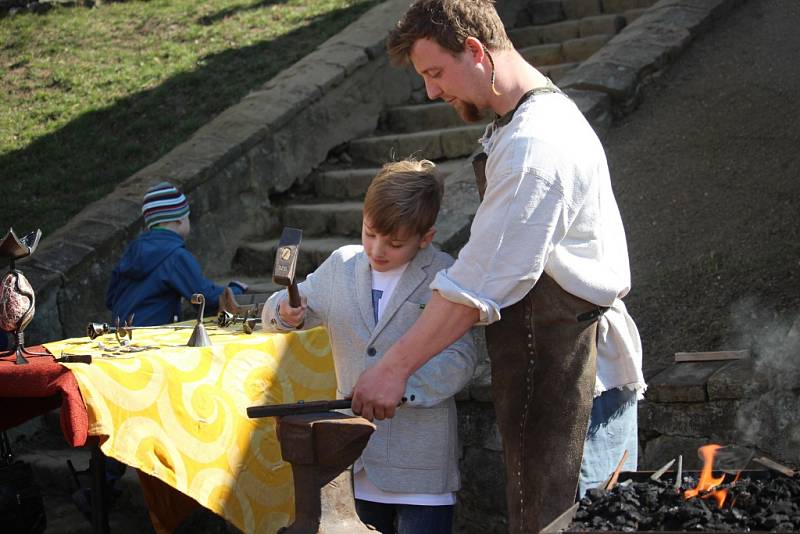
(404, 196)
(448, 23)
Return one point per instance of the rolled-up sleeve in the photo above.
(515, 228)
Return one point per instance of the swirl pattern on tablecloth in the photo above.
(179, 413)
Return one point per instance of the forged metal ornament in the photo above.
(17, 298)
(14, 248)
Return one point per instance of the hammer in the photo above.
(286, 261)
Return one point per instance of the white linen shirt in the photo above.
(549, 207)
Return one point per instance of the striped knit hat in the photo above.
(163, 203)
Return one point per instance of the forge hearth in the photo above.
(758, 501)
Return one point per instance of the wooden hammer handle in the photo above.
(294, 295)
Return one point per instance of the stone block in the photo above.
(693, 20)
(633, 14)
(407, 119)
(477, 427)
(46, 323)
(642, 57)
(618, 81)
(618, 6)
(349, 183)
(714, 8)
(553, 33)
(682, 382)
(480, 388)
(460, 142)
(608, 24)
(545, 54)
(736, 380)
(481, 500)
(557, 72)
(390, 147)
(545, 12)
(660, 450)
(578, 50)
(577, 9)
(714, 420)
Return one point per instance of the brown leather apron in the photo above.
(543, 354)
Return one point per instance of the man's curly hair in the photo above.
(448, 23)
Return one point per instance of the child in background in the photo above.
(368, 296)
(156, 270)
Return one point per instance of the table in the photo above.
(34, 389)
(179, 413)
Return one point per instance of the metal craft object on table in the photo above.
(17, 298)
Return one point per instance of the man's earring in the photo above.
(491, 61)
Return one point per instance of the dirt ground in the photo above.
(706, 173)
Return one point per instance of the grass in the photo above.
(90, 96)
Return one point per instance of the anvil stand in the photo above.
(321, 447)
(14, 249)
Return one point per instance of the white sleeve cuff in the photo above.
(278, 321)
(488, 309)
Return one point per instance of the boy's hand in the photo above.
(292, 316)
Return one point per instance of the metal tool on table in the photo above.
(284, 271)
(17, 298)
(199, 337)
(123, 330)
(226, 319)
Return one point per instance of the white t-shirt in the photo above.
(383, 286)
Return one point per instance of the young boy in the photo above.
(156, 270)
(367, 296)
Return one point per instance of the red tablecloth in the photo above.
(30, 390)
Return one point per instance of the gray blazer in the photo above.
(417, 450)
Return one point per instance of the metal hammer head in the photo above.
(286, 257)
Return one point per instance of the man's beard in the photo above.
(468, 112)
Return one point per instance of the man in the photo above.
(546, 267)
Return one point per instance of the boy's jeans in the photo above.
(410, 518)
(612, 429)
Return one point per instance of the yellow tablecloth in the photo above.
(178, 413)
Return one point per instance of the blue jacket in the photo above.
(154, 273)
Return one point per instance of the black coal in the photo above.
(771, 504)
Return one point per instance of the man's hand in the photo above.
(292, 316)
(378, 392)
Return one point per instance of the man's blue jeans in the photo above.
(406, 518)
(613, 428)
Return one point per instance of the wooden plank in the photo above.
(775, 466)
(712, 356)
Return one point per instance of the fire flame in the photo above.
(707, 481)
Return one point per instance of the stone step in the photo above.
(581, 49)
(556, 72)
(415, 118)
(621, 6)
(336, 218)
(445, 143)
(559, 32)
(257, 259)
(353, 183)
(543, 54)
(255, 284)
(343, 183)
(569, 51)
